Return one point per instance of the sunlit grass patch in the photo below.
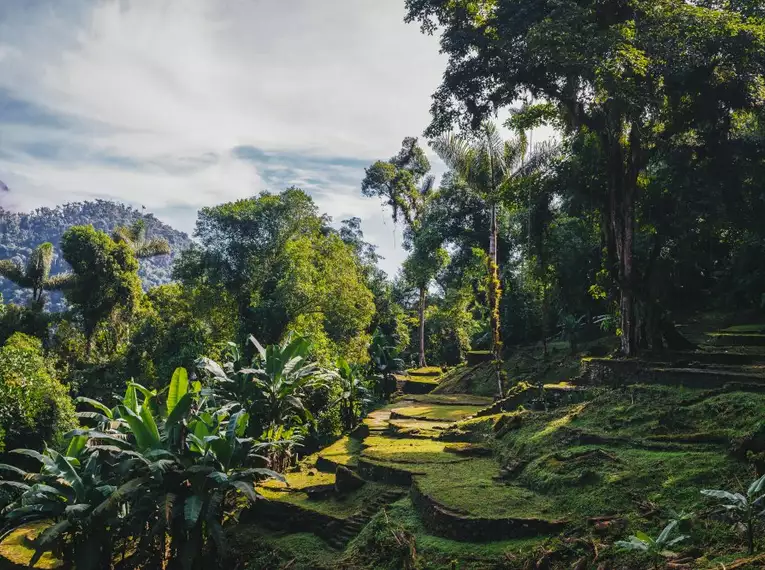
(418, 427)
(448, 399)
(426, 371)
(556, 424)
(335, 505)
(407, 450)
(436, 412)
(14, 549)
(344, 451)
(274, 489)
(471, 489)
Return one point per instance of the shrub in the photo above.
(34, 406)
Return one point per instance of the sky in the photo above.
(179, 104)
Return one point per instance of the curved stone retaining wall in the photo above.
(449, 524)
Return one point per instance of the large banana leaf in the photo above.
(144, 436)
(179, 386)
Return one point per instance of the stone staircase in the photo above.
(728, 358)
(353, 525)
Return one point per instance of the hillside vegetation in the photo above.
(566, 373)
(20, 233)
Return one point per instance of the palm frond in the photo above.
(152, 248)
(541, 155)
(60, 282)
(39, 263)
(14, 272)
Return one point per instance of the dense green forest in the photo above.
(20, 234)
(567, 371)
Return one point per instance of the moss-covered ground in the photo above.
(295, 492)
(435, 412)
(609, 463)
(343, 452)
(419, 380)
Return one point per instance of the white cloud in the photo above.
(151, 85)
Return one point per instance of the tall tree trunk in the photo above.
(494, 296)
(624, 166)
(423, 291)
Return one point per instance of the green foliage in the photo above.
(22, 233)
(402, 182)
(142, 479)
(177, 327)
(635, 103)
(141, 245)
(744, 509)
(36, 275)
(274, 387)
(75, 493)
(353, 393)
(282, 269)
(384, 363)
(106, 283)
(322, 294)
(657, 548)
(34, 406)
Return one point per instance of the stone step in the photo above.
(737, 339)
(678, 357)
(599, 371)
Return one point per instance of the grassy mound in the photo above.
(343, 452)
(440, 399)
(408, 451)
(426, 371)
(479, 380)
(473, 488)
(295, 492)
(417, 428)
(434, 412)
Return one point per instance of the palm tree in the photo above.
(36, 275)
(141, 245)
(487, 163)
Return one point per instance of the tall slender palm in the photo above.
(404, 182)
(36, 275)
(142, 246)
(486, 163)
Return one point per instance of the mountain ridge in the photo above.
(21, 232)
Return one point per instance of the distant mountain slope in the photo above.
(21, 233)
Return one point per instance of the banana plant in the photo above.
(657, 549)
(745, 509)
(354, 394)
(153, 472)
(74, 494)
(216, 470)
(274, 387)
(384, 363)
(105, 417)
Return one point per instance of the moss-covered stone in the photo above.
(434, 412)
(429, 371)
(465, 526)
(347, 481)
